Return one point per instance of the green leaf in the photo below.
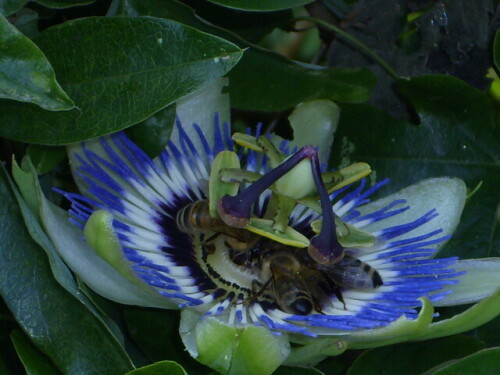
(152, 134)
(45, 158)
(63, 3)
(160, 368)
(26, 74)
(51, 316)
(265, 81)
(456, 137)
(413, 358)
(484, 362)
(173, 10)
(261, 5)
(120, 71)
(284, 370)
(7, 7)
(496, 50)
(156, 333)
(35, 363)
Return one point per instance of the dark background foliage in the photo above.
(417, 100)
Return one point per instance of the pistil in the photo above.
(236, 210)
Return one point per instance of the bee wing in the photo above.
(353, 273)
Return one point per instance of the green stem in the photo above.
(363, 47)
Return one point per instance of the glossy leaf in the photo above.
(7, 7)
(45, 158)
(119, 71)
(34, 362)
(156, 333)
(283, 370)
(173, 10)
(261, 5)
(496, 50)
(26, 74)
(456, 137)
(63, 3)
(152, 134)
(265, 81)
(484, 362)
(160, 368)
(51, 316)
(413, 358)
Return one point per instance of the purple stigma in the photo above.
(324, 247)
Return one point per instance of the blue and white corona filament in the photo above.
(144, 197)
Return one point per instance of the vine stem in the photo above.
(363, 47)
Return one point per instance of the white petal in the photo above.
(446, 195)
(481, 280)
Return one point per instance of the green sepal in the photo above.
(160, 368)
(230, 350)
(101, 237)
(401, 330)
(289, 236)
(477, 315)
(217, 188)
(348, 235)
(315, 351)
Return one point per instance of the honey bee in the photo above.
(195, 218)
(299, 285)
(286, 275)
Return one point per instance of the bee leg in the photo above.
(340, 297)
(317, 307)
(208, 245)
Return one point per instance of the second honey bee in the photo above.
(299, 285)
(195, 218)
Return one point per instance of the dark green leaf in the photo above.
(484, 362)
(57, 323)
(489, 333)
(7, 7)
(265, 81)
(456, 137)
(173, 10)
(25, 73)
(35, 362)
(413, 358)
(63, 3)
(160, 368)
(152, 134)
(45, 158)
(285, 370)
(446, 38)
(119, 71)
(496, 50)
(156, 333)
(261, 5)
